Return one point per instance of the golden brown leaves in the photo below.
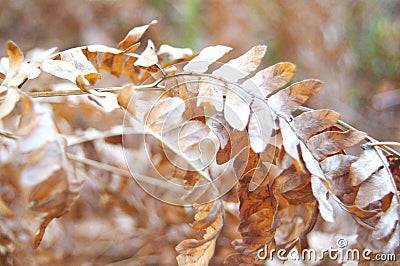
(211, 125)
(199, 252)
(45, 173)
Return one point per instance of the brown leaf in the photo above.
(337, 165)
(5, 210)
(311, 163)
(206, 57)
(79, 60)
(310, 123)
(173, 53)
(237, 110)
(388, 221)
(260, 125)
(270, 79)
(20, 71)
(321, 193)
(148, 58)
(240, 140)
(242, 66)
(134, 35)
(199, 252)
(301, 195)
(130, 70)
(291, 144)
(289, 99)
(288, 180)
(112, 63)
(15, 57)
(10, 100)
(374, 188)
(332, 142)
(125, 98)
(211, 94)
(191, 134)
(368, 162)
(73, 63)
(187, 90)
(165, 115)
(221, 129)
(257, 208)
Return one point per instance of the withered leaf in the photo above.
(73, 63)
(368, 162)
(79, 60)
(311, 163)
(125, 98)
(195, 252)
(134, 35)
(15, 57)
(321, 193)
(331, 142)
(260, 125)
(174, 53)
(20, 71)
(221, 129)
(130, 70)
(10, 100)
(211, 94)
(112, 63)
(191, 134)
(242, 66)
(291, 144)
(206, 57)
(374, 188)
(288, 180)
(289, 99)
(165, 114)
(148, 58)
(387, 222)
(270, 79)
(337, 165)
(236, 110)
(310, 123)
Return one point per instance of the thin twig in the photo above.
(8, 134)
(42, 94)
(385, 143)
(109, 168)
(92, 136)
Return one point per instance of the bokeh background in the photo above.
(353, 46)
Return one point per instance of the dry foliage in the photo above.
(223, 142)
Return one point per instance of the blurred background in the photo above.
(353, 46)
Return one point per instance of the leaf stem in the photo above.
(42, 94)
(109, 168)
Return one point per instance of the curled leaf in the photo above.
(134, 35)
